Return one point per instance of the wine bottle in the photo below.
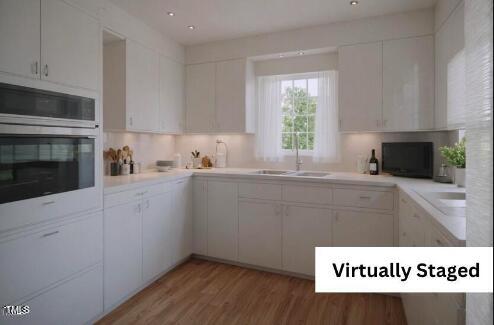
(373, 164)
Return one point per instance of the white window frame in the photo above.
(298, 76)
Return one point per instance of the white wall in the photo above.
(242, 149)
(297, 64)
(147, 147)
(409, 24)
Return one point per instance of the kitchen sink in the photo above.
(450, 203)
(272, 172)
(311, 174)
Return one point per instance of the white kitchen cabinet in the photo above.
(352, 228)
(260, 233)
(172, 97)
(220, 97)
(360, 87)
(222, 220)
(408, 84)
(142, 92)
(449, 42)
(200, 97)
(20, 37)
(304, 229)
(131, 84)
(70, 45)
(156, 234)
(77, 301)
(123, 252)
(200, 217)
(181, 220)
(413, 230)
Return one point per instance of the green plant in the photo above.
(455, 155)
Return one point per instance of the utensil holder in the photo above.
(114, 169)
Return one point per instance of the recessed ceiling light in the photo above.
(353, 3)
(191, 27)
(171, 14)
(301, 53)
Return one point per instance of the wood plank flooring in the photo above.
(204, 292)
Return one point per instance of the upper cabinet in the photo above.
(360, 87)
(172, 99)
(219, 97)
(450, 71)
(51, 40)
(387, 86)
(143, 91)
(70, 43)
(408, 84)
(20, 29)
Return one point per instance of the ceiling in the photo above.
(226, 19)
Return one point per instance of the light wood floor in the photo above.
(204, 292)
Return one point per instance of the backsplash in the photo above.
(241, 149)
(147, 147)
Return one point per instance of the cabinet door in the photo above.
(156, 232)
(142, 87)
(70, 45)
(222, 220)
(259, 234)
(182, 220)
(200, 217)
(172, 106)
(20, 26)
(200, 97)
(408, 84)
(230, 96)
(362, 229)
(123, 252)
(360, 87)
(304, 228)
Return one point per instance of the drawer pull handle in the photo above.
(48, 202)
(50, 234)
(416, 216)
(364, 197)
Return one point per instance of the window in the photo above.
(299, 105)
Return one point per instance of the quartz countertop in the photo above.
(412, 187)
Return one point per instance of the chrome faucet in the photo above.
(298, 161)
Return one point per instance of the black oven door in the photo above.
(38, 165)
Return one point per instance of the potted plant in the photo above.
(455, 156)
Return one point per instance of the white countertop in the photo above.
(454, 225)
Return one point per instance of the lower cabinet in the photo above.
(200, 217)
(156, 235)
(259, 233)
(181, 221)
(222, 220)
(123, 252)
(353, 229)
(304, 229)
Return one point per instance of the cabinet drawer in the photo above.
(259, 191)
(33, 262)
(307, 194)
(354, 229)
(77, 301)
(135, 194)
(363, 199)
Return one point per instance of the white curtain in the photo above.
(268, 135)
(327, 137)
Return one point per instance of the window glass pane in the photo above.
(312, 104)
(285, 85)
(300, 123)
(287, 141)
(287, 96)
(312, 87)
(300, 101)
(301, 84)
(287, 123)
(303, 141)
(311, 124)
(311, 141)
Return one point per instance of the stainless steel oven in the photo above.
(49, 155)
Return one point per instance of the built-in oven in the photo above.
(49, 156)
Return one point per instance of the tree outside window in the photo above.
(299, 105)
